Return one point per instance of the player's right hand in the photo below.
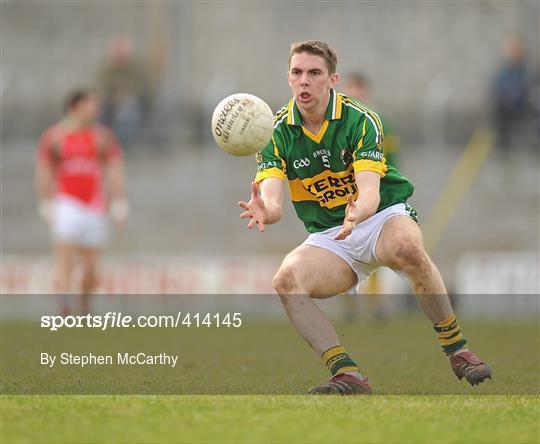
(351, 219)
(255, 209)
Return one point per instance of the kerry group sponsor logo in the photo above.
(329, 188)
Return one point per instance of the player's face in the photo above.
(87, 110)
(310, 81)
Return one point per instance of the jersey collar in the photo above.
(333, 110)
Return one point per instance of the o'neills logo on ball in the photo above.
(219, 129)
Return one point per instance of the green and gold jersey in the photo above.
(321, 167)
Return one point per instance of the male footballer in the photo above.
(354, 205)
(79, 178)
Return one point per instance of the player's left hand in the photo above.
(119, 211)
(351, 218)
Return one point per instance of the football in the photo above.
(242, 124)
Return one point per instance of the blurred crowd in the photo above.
(516, 97)
(129, 82)
(124, 84)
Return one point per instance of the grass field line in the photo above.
(459, 182)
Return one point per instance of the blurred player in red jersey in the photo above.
(79, 179)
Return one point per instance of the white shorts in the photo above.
(358, 249)
(76, 224)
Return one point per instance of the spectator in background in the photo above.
(357, 86)
(124, 84)
(510, 94)
(79, 178)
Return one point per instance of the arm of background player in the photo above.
(366, 204)
(119, 207)
(115, 179)
(266, 204)
(44, 179)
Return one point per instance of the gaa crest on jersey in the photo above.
(259, 157)
(346, 156)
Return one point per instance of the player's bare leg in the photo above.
(89, 258)
(308, 272)
(64, 257)
(311, 272)
(400, 246)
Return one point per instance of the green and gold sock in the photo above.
(450, 335)
(338, 361)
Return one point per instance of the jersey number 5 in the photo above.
(325, 161)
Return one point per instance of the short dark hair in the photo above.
(76, 96)
(316, 47)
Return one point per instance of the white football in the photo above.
(242, 124)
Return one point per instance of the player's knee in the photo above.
(410, 256)
(285, 281)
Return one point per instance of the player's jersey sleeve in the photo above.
(270, 161)
(368, 154)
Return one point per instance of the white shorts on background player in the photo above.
(358, 249)
(74, 223)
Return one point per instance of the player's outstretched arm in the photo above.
(44, 183)
(366, 204)
(266, 204)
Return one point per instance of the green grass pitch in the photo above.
(246, 375)
(266, 419)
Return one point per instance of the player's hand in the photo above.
(351, 218)
(119, 211)
(254, 210)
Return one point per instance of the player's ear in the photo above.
(334, 78)
(289, 77)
